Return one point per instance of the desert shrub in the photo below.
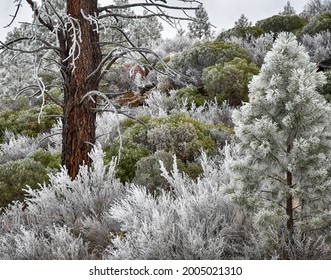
(229, 81)
(129, 155)
(318, 45)
(256, 47)
(213, 114)
(30, 246)
(16, 147)
(16, 104)
(47, 159)
(158, 104)
(66, 219)
(281, 23)
(244, 32)
(24, 165)
(210, 112)
(26, 122)
(193, 222)
(129, 147)
(148, 172)
(180, 135)
(176, 133)
(52, 140)
(190, 95)
(192, 61)
(16, 175)
(107, 127)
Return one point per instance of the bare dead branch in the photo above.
(47, 46)
(160, 15)
(5, 46)
(36, 12)
(152, 4)
(15, 14)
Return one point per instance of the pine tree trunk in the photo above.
(80, 117)
(289, 207)
(289, 210)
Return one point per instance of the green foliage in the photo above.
(192, 61)
(47, 159)
(19, 103)
(326, 89)
(177, 134)
(229, 81)
(191, 94)
(16, 175)
(318, 24)
(131, 153)
(280, 23)
(25, 121)
(244, 32)
(148, 172)
(134, 140)
(180, 134)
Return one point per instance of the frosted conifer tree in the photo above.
(200, 27)
(280, 167)
(145, 31)
(242, 22)
(288, 10)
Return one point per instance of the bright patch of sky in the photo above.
(222, 13)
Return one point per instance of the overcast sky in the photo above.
(222, 13)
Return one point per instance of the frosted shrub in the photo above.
(210, 112)
(159, 105)
(107, 127)
(173, 45)
(213, 113)
(318, 45)
(256, 47)
(148, 172)
(67, 216)
(58, 243)
(229, 81)
(53, 139)
(180, 134)
(16, 147)
(194, 221)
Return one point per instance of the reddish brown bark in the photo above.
(80, 117)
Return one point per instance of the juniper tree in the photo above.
(76, 51)
(280, 167)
